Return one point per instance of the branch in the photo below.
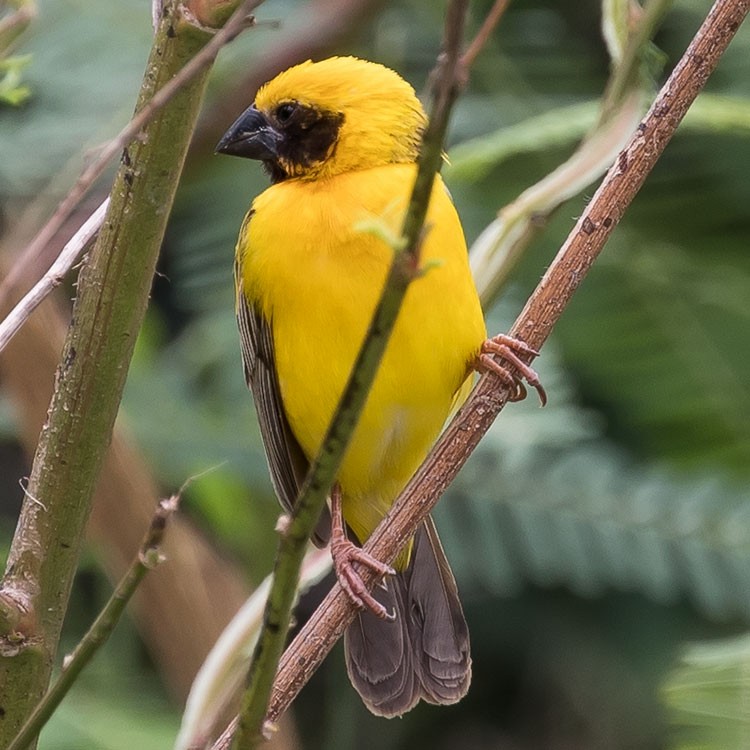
(485, 32)
(252, 727)
(113, 289)
(534, 325)
(148, 557)
(54, 276)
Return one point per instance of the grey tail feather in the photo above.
(424, 653)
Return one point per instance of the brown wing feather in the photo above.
(286, 461)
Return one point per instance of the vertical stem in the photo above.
(113, 290)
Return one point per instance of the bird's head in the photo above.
(317, 120)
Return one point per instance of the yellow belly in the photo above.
(317, 275)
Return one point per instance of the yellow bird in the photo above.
(340, 139)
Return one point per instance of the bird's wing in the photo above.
(286, 461)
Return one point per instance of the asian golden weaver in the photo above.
(340, 139)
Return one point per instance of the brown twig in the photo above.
(236, 24)
(485, 32)
(534, 325)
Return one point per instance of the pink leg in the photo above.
(344, 553)
(509, 348)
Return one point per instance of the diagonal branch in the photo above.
(534, 325)
(485, 32)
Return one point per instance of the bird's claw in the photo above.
(345, 554)
(509, 348)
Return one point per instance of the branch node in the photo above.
(428, 266)
(377, 227)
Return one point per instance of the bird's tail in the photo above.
(424, 653)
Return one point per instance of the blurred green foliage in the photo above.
(708, 694)
(590, 538)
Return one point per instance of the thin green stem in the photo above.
(251, 728)
(147, 558)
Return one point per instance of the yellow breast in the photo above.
(313, 270)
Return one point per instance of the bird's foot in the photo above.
(345, 556)
(509, 348)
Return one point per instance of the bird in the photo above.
(339, 139)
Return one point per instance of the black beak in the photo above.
(251, 136)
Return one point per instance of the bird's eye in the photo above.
(284, 112)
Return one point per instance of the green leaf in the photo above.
(474, 159)
(12, 90)
(716, 113)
